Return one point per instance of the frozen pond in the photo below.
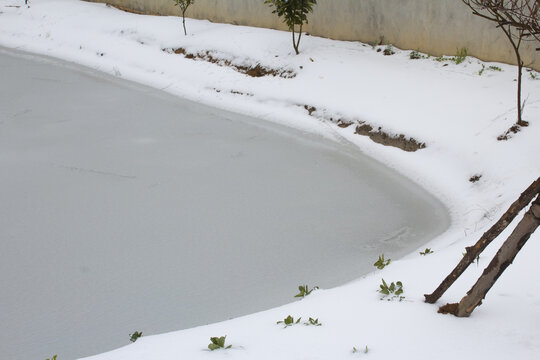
(123, 208)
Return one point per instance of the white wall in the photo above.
(436, 27)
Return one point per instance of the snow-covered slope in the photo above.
(454, 110)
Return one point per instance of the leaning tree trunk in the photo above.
(504, 257)
(474, 251)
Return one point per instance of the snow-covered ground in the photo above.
(456, 111)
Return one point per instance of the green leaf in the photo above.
(221, 341)
(213, 347)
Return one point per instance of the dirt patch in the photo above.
(310, 109)
(343, 124)
(475, 178)
(236, 92)
(253, 71)
(514, 129)
(379, 136)
(449, 309)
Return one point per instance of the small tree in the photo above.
(183, 4)
(294, 13)
(516, 18)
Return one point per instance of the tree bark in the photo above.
(472, 252)
(184, 21)
(504, 257)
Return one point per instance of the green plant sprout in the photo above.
(314, 322)
(133, 337)
(355, 350)
(53, 358)
(289, 321)
(373, 44)
(461, 55)
(382, 262)
(441, 58)
(304, 291)
(426, 252)
(492, 68)
(218, 343)
(389, 50)
(392, 291)
(415, 55)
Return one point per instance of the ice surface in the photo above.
(127, 209)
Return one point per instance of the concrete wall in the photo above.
(436, 27)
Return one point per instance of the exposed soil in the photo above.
(379, 136)
(310, 109)
(234, 92)
(448, 309)
(475, 178)
(253, 71)
(514, 129)
(388, 52)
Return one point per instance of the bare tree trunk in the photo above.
(516, 47)
(472, 252)
(504, 257)
(294, 42)
(298, 42)
(184, 21)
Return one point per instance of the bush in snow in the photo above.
(294, 12)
